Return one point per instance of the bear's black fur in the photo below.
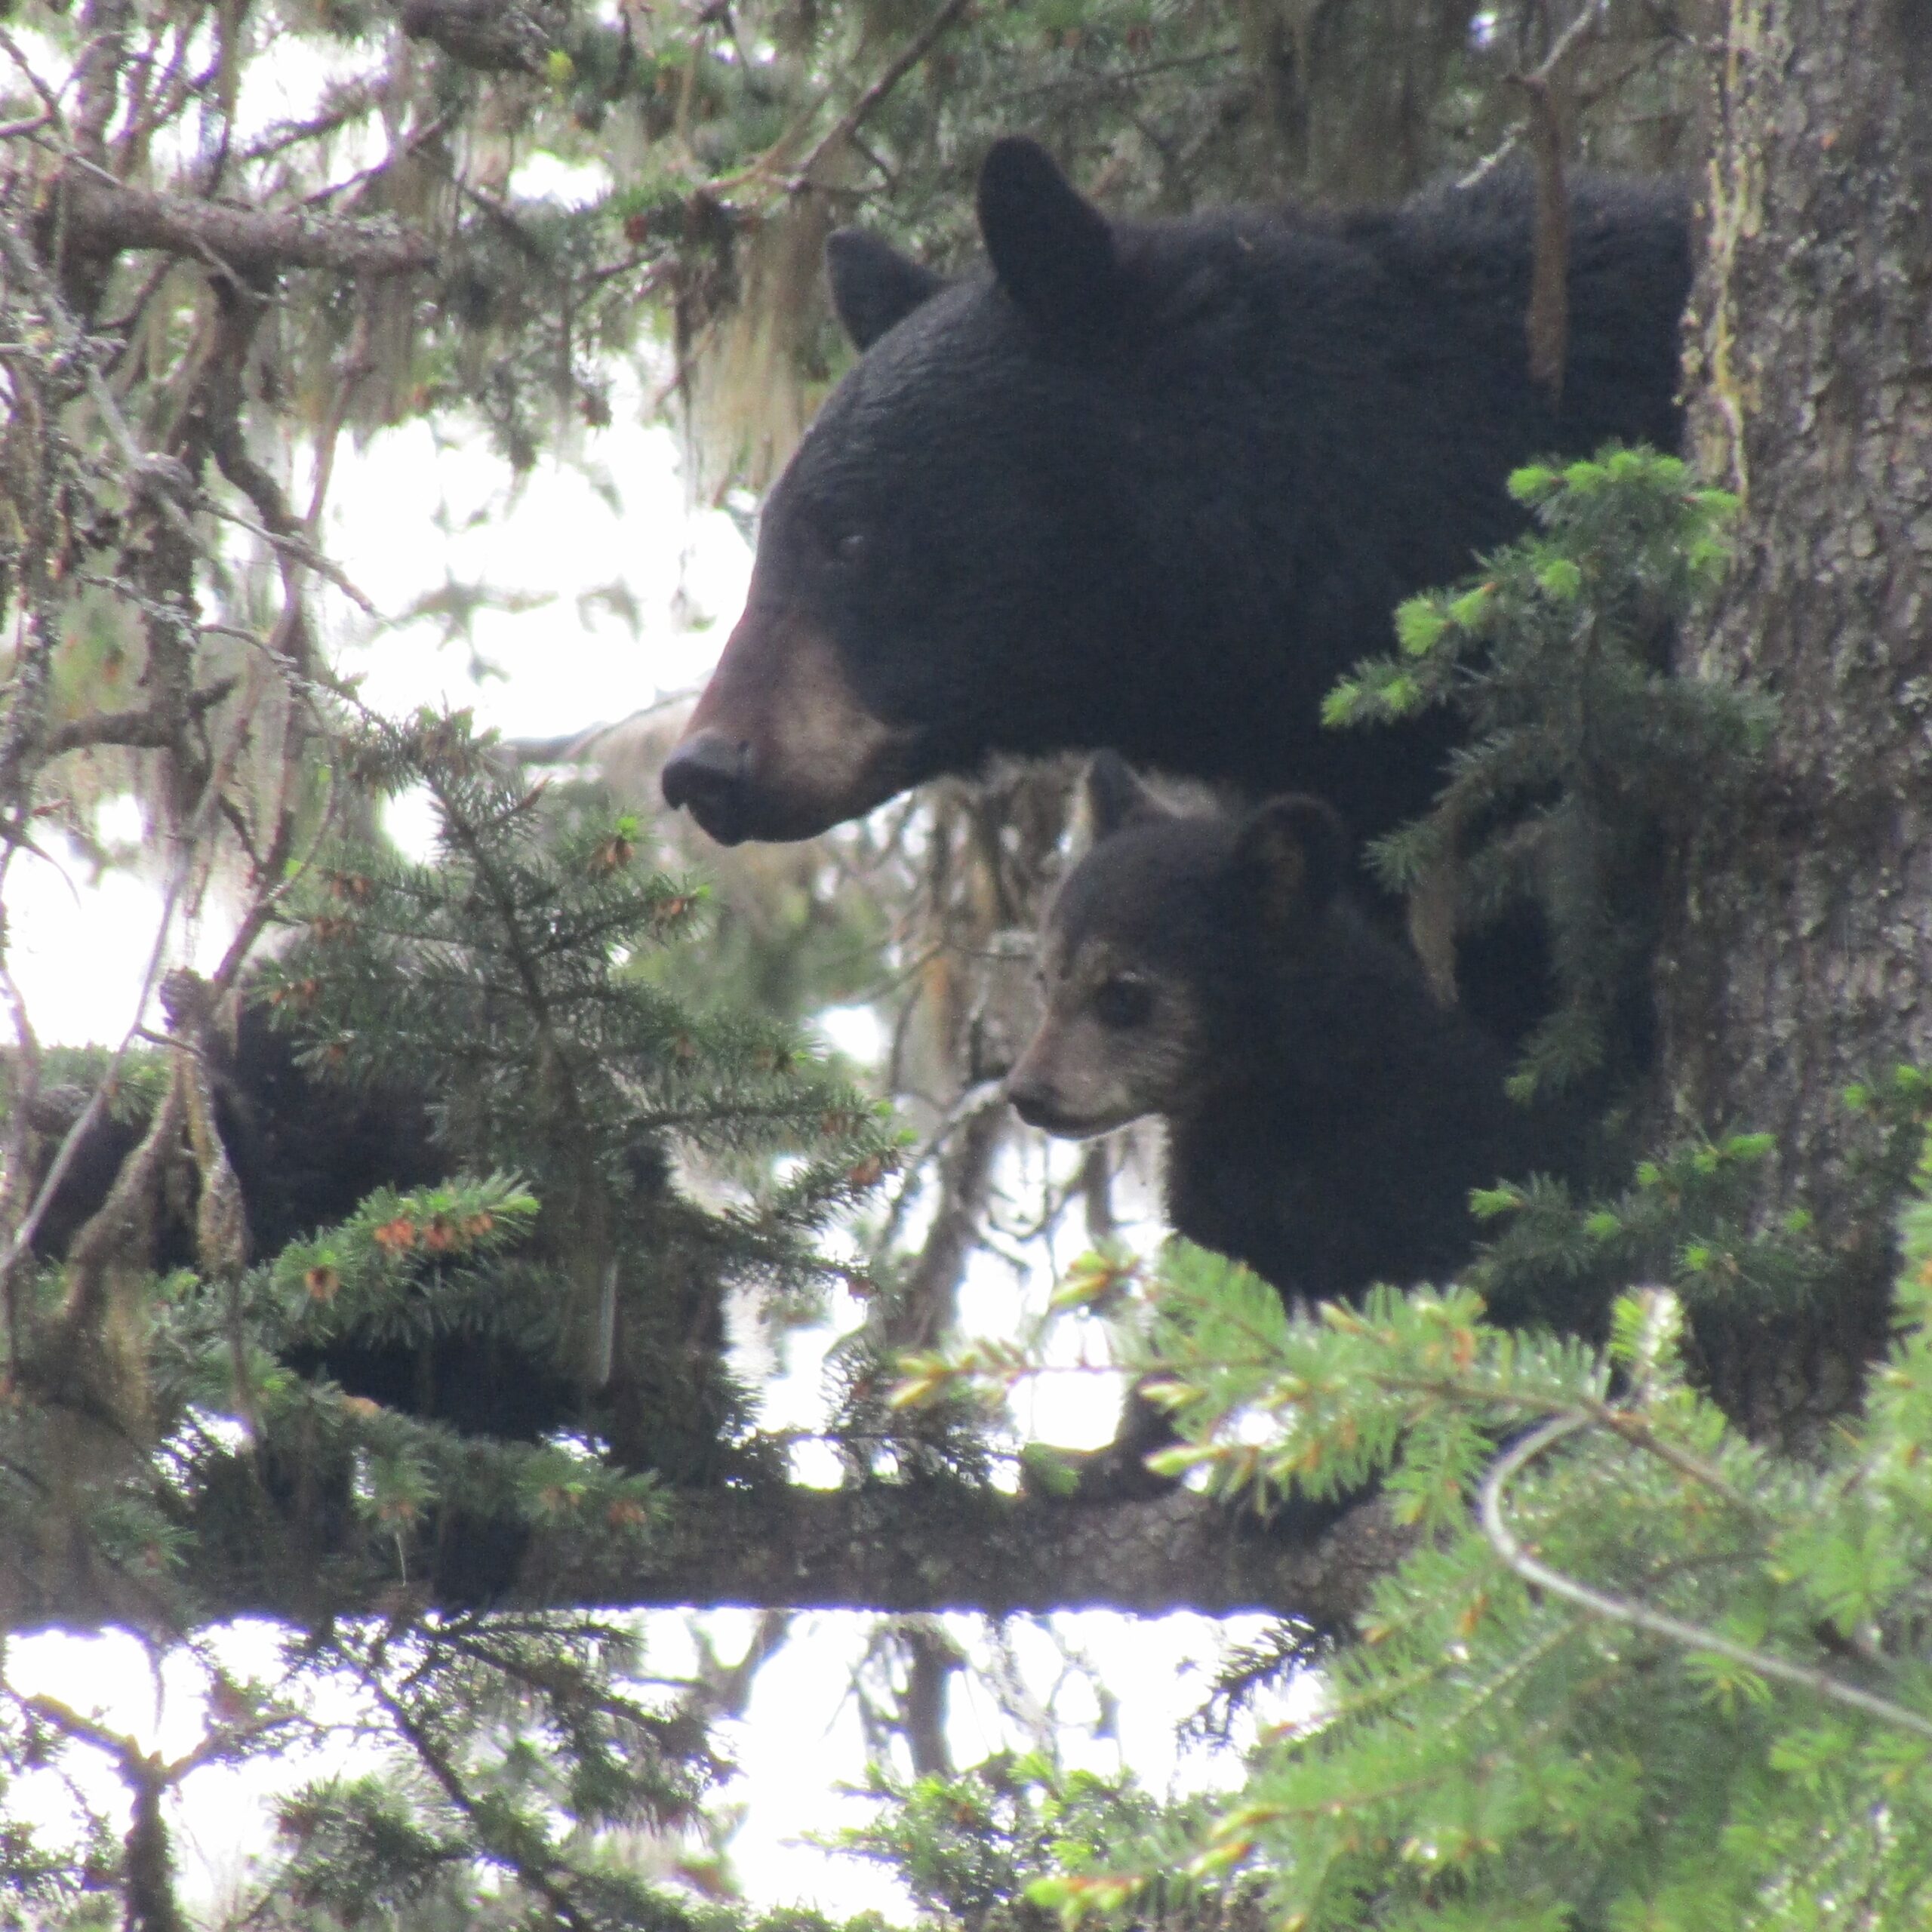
(1156, 486)
(1327, 1119)
(307, 1151)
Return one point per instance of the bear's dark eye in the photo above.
(1122, 1002)
(845, 546)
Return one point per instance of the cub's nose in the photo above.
(709, 772)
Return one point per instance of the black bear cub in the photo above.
(1327, 1118)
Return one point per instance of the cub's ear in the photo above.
(1116, 797)
(1053, 252)
(873, 285)
(1293, 853)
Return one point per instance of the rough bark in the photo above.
(893, 1549)
(1798, 962)
(487, 35)
(102, 216)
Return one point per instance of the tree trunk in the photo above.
(1798, 963)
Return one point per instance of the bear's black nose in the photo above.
(1036, 1102)
(708, 772)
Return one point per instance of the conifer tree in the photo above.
(426, 1436)
(531, 1344)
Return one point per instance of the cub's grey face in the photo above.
(1124, 1032)
(1148, 1008)
(1120, 1039)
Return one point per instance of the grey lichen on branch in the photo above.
(104, 216)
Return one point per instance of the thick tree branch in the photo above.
(1549, 324)
(487, 35)
(104, 216)
(146, 728)
(148, 1872)
(1579, 30)
(895, 1549)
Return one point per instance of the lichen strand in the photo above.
(1795, 964)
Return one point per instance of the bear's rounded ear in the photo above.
(873, 285)
(1116, 797)
(1293, 853)
(1053, 251)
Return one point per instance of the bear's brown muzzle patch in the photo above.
(781, 746)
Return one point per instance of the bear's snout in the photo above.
(708, 772)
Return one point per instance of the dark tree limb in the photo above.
(935, 1660)
(925, 1308)
(104, 216)
(146, 729)
(914, 1549)
(486, 35)
(1579, 30)
(96, 76)
(895, 1549)
(147, 1855)
(1793, 962)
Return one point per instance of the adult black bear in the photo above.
(1154, 486)
(1327, 1118)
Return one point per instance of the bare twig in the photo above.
(304, 553)
(849, 123)
(986, 1096)
(1548, 323)
(22, 1241)
(147, 474)
(50, 101)
(1585, 24)
(1673, 1630)
(25, 1082)
(360, 97)
(800, 180)
(95, 79)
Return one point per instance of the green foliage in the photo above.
(68, 1074)
(510, 982)
(510, 1806)
(400, 1408)
(1690, 1219)
(1694, 1217)
(1638, 1671)
(998, 1848)
(602, 201)
(1584, 756)
(573, 1292)
(512, 977)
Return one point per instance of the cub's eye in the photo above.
(845, 546)
(1122, 1002)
